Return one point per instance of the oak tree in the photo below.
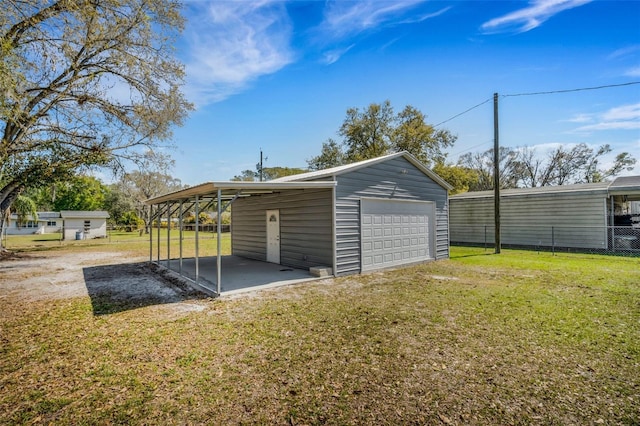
(378, 130)
(84, 83)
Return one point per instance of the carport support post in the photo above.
(180, 233)
(158, 213)
(150, 234)
(218, 258)
(168, 235)
(496, 175)
(197, 234)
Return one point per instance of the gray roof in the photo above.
(48, 215)
(626, 182)
(80, 214)
(335, 171)
(42, 216)
(622, 185)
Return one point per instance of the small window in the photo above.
(52, 223)
(87, 225)
(273, 218)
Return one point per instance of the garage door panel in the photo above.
(394, 232)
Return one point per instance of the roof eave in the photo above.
(211, 188)
(340, 170)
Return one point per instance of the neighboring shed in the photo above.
(578, 216)
(84, 224)
(375, 214)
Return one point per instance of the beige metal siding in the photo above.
(578, 220)
(305, 227)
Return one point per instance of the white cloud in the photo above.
(581, 118)
(345, 20)
(625, 51)
(331, 56)
(426, 16)
(625, 117)
(633, 72)
(232, 43)
(611, 125)
(531, 17)
(544, 148)
(625, 112)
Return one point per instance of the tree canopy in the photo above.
(268, 173)
(81, 193)
(564, 165)
(525, 168)
(151, 179)
(377, 131)
(25, 209)
(84, 83)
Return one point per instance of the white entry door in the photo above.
(273, 236)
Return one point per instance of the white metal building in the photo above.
(84, 224)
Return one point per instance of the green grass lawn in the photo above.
(516, 338)
(133, 242)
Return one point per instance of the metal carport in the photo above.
(202, 197)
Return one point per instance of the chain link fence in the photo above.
(624, 240)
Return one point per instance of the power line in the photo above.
(464, 151)
(538, 93)
(463, 112)
(572, 90)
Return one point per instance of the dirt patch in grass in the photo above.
(522, 339)
(113, 281)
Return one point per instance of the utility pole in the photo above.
(496, 174)
(260, 164)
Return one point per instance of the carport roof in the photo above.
(232, 189)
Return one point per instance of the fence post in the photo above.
(485, 238)
(553, 241)
(613, 238)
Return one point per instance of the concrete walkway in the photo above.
(238, 274)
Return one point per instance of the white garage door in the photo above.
(395, 232)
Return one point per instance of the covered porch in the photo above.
(221, 273)
(623, 218)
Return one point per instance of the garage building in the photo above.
(374, 214)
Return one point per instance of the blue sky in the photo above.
(280, 75)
